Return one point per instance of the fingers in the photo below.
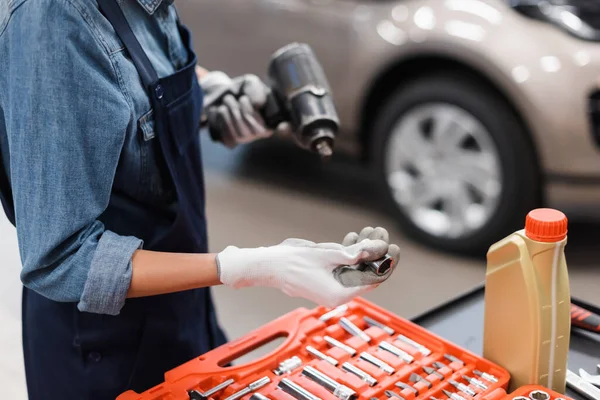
(364, 234)
(350, 239)
(394, 252)
(379, 234)
(367, 250)
(256, 90)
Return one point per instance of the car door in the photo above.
(239, 36)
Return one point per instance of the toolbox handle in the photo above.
(215, 360)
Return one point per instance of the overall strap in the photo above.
(6, 194)
(112, 11)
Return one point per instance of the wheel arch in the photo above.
(402, 71)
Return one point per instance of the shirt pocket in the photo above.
(156, 185)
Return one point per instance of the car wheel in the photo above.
(455, 162)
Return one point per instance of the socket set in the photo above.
(535, 392)
(357, 351)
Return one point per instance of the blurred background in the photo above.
(457, 117)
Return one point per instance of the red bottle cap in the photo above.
(546, 225)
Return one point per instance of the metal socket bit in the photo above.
(288, 365)
(422, 349)
(321, 356)
(521, 398)
(385, 367)
(336, 343)
(378, 324)
(353, 329)
(340, 391)
(475, 382)
(336, 312)
(197, 394)
(379, 267)
(250, 388)
(462, 387)
(414, 378)
(390, 348)
(432, 371)
(403, 386)
(582, 386)
(258, 396)
(451, 358)
(433, 398)
(453, 396)
(360, 373)
(295, 390)
(389, 393)
(539, 395)
(486, 376)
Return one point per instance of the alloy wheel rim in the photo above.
(443, 170)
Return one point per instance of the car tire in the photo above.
(519, 189)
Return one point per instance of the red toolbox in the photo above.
(397, 359)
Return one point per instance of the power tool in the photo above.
(300, 95)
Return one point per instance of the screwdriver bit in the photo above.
(353, 329)
(451, 358)
(414, 378)
(336, 343)
(378, 324)
(390, 348)
(403, 386)
(432, 371)
(422, 349)
(453, 396)
(321, 356)
(336, 312)
(463, 388)
(377, 362)
(438, 364)
(475, 382)
(486, 376)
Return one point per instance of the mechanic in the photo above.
(101, 174)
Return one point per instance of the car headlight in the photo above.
(578, 17)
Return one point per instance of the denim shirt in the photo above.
(78, 145)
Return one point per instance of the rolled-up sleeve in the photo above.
(66, 119)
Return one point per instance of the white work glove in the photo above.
(300, 268)
(232, 108)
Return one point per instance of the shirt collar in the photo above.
(152, 5)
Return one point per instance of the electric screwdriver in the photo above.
(300, 95)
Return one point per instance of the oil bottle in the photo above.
(527, 302)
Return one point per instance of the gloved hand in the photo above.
(300, 268)
(232, 107)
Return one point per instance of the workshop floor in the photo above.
(266, 193)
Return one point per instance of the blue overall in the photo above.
(76, 355)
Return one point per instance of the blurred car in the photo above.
(471, 112)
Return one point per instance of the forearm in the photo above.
(155, 273)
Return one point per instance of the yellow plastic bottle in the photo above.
(527, 302)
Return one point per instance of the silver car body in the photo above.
(546, 74)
